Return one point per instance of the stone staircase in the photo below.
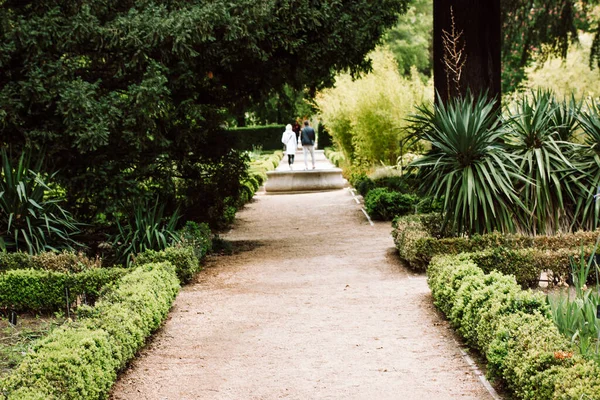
(324, 177)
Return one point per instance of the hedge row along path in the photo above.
(313, 304)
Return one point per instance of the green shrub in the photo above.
(39, 290)
(416, 246)
(383, 204)
(363, 184)
(184, 260)
(145, 229)
(408, 231)
(67, 261)
(512, 329)
(31, 219)
(18, 260)
(198, 237)
(529, 353)
(394, 183)
(267, 136)
(80, 360)
(260, 175)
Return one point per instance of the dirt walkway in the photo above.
(314, 307)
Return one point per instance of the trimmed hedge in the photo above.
(416, 246)
(267, 136)
(80, 360)
(39, 290)
(182, 258)
(513, 329)
(49, 261)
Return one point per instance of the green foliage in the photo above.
(80, 360)
(146, 229)
(535, 29)
(362, 183)
(49, 261)
(184, 259)
(409, 232)
(366, 117)
(269, 137)
(337, 158)
(196, 236)
(129, 99)
(383, 204)
(566, 77)
(512, 329)
(467, 164)
(40, 290)
(420, 238)
(576, 317)
(30, 220)
(411, 40)
(533, 137)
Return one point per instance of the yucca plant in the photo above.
(30, 219)
(589, 159)
(145, 229)
(534, 136)
(468, 165)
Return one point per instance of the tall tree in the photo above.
(126, 95)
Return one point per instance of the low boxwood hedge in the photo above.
(80, 360)
(523, 256)
(268, 137)
(182, 258)
(39, 290)
(512, 329)
(67, 261)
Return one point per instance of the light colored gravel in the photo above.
(314, 304)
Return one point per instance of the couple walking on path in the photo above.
(307, 138)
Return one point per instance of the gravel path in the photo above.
(312, 307)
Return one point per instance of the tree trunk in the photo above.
(479, 63)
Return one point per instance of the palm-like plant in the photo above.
(146, 229)
(468, 164)
(589, 156)
(537, 134)
(31, 220)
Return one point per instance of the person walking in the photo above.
(289, 140)
(307, 138)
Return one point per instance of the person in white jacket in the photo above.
(289, 140)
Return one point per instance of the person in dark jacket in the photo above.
(308, 144)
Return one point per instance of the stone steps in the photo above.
(324, 177)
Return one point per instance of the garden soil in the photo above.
(313, 304)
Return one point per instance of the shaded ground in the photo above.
(313, 305)
(15, 341)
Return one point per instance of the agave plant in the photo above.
(538, 130)
(30, 219)
(146, 229)
(468, 165)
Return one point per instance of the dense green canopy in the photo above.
(124, 95)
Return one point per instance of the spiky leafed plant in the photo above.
(145, 229)
(30, 219)
(467, 164)
(589, 157)
(537, 132)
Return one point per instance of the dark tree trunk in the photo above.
(480, 22)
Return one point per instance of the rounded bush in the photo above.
(383, 204)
